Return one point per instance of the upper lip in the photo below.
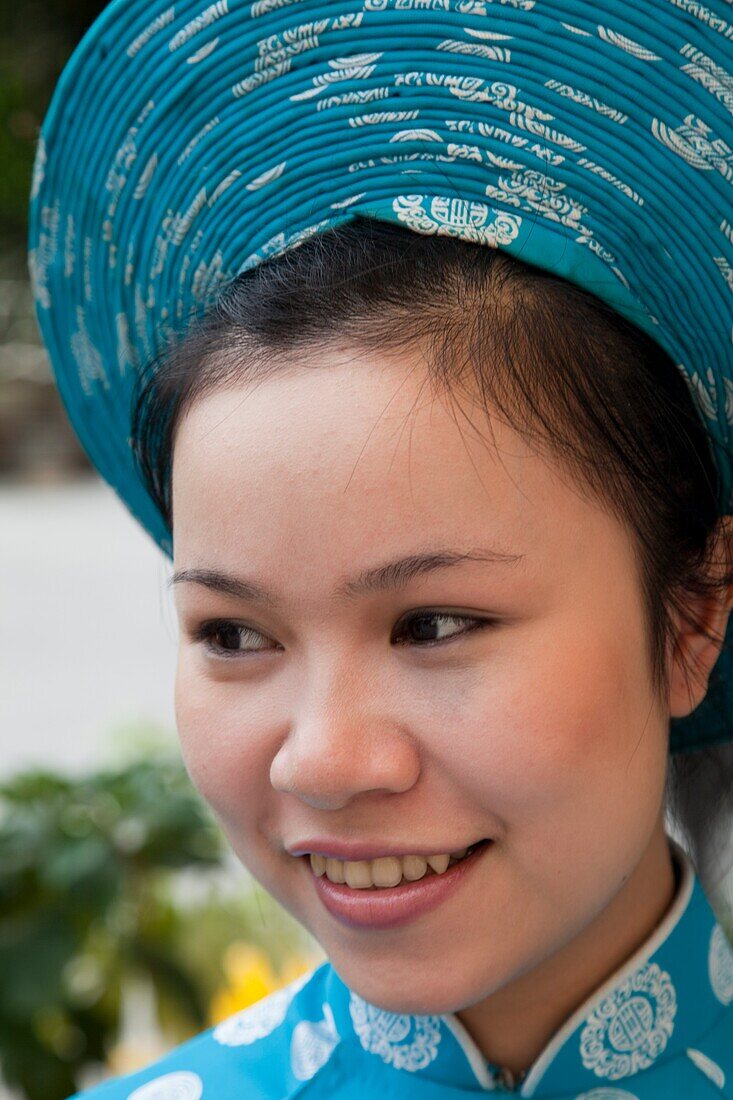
(351, 851)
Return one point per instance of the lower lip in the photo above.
(393, 906)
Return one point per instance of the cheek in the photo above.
(563, 732)
(222, 747)
(561, 749)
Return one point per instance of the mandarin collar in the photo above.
(653, 1008)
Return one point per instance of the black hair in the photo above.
(560, 366)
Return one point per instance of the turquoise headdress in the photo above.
(186, 143)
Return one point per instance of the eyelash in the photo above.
(208, 630)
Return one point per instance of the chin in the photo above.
(406, 990)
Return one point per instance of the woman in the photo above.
(491, 397)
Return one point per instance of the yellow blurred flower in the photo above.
(249, 976)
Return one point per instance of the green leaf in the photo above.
(33, 953)
(70, 862)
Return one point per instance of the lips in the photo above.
(392, 906)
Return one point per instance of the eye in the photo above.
(228, 639)
(433, 627)
(224, 637)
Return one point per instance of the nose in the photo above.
(343, 741)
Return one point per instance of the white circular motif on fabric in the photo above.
(708, 1066)
(260, 1019)
(604, 1093)
(450, 216)
(181, 1085)
(631, 1027)
(312, 1044)
(720, 965)
(404, 1042)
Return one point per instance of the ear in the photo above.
(696, 652)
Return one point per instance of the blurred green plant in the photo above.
(91, 894)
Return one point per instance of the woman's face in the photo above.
(333, 716)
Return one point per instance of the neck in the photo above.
(513, 1025)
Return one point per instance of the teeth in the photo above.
(385, 871)
(358, 875)
(439, 863)
(413, 867)
(334, 869)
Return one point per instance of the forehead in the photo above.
(347, 445)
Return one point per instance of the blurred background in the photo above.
(126, 924)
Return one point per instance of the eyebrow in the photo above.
(390, 575)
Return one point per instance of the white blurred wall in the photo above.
(88, 630)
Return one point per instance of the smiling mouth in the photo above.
(404, 883)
